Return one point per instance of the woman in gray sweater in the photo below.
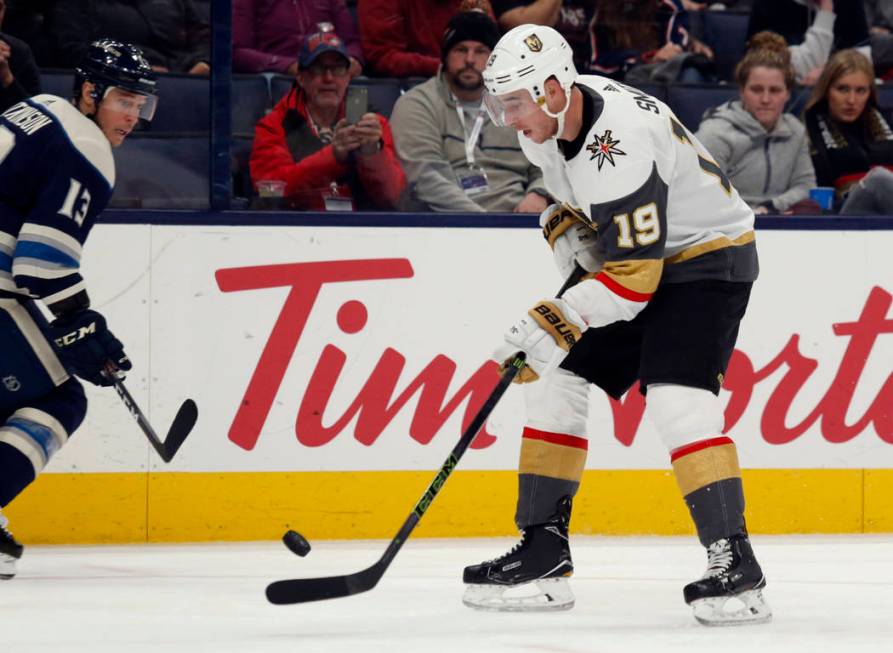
(764, 151)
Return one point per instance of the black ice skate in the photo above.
(531, 577)
(10, 551)
(730, 591)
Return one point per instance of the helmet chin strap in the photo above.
(560, 115)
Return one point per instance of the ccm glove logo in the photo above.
(551, 320)
(78, 334)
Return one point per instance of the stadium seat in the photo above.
(658, 91)
(184, 104)
(689, 102)
(885, 95)
(279, 86)
(57, 83)
(726, 33)
(799, 97)
(162, 172)
(250, 102)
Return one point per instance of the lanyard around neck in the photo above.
(472, 138)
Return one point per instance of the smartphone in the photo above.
(357, 103)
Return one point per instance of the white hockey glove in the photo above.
(546, 334)
(572, 239)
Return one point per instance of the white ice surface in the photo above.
(829, 593)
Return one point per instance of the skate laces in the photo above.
(510, 551)
(719, 558)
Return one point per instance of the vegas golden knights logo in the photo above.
(533, 42)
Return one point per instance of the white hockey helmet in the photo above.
(525, 58)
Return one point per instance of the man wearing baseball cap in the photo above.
(305, 142)
(455, 158)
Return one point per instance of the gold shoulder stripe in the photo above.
(703, 248)
(641, 276)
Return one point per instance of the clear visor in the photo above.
(508, 109)
(130, 103)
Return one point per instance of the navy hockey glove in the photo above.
(86, 345)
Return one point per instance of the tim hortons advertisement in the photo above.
(329, 349)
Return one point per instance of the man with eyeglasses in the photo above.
(307, 143)
(56, 175)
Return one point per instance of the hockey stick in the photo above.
(303, 590)
(176, 434)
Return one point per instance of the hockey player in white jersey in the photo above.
(671, 255)
(56, 175)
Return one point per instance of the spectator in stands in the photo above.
(456, 159)
(306, 142)
(805, 23)
(169, 32)
(851, 140)
(268, 34)
(763, 151)
(644, 41)
(19, 76)
(401, 38)
(573, 18)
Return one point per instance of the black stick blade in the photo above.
(304, 590)
(180, 429)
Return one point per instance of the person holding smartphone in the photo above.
(326, 159)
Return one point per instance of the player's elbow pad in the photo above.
(599, 306)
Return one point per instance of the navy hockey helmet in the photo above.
(109, 63)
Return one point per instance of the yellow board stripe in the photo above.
(182, 507)
(705, 466)
(703, 248)
(553, 460)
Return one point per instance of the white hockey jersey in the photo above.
(664, 210)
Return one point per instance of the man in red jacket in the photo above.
(306, 142)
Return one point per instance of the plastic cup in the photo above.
(271, 188)
(824, 195)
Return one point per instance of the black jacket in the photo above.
(26, 76)
(169, 32)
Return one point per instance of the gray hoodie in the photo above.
(763, 166)
(430, 141)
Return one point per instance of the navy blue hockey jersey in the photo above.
(56, 175)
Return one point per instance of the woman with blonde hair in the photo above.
(763, 151)
(850, 135)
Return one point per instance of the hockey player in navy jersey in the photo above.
(56, 175)
(670, 250)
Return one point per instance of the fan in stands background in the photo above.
(307, 143)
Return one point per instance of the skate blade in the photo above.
(740, 610)
(547, 595)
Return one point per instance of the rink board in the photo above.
(333, 368)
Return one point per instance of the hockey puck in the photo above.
(296, 543)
